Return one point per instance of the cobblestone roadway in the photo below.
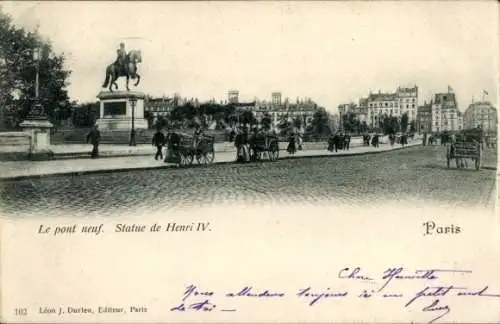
(418, 172)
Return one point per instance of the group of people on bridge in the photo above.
(339, 141)
(246, 137)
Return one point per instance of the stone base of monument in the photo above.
(111, 124)
(39, 131)
(118, 108)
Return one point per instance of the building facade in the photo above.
(233, 96)
(377, 105)
(404, 100)
(424, 118)
(482, 114)
(445, 113)
(159, 106)
(279, 110)
(460, 120)
(359, 111)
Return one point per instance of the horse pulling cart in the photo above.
(467, 146)
(181, 149)
(264, 144)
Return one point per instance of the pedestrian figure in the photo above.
(375, 140)
(291, 143)
(94, 137)
(300, 137)
(347, 141)
(159, 142)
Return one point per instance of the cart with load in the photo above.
(467, 146)
(181, 149)
(264, 144)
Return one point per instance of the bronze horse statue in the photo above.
(128, 70)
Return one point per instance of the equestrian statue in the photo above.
(125, 65)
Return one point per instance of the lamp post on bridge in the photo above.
(37, 110)
(36, 59)
(133, 102)
(37, 123)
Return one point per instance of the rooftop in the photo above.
(382, 96)
(424, 108)
(482, 103)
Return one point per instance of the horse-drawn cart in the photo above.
(467, 146)
(181, 149)
(264, 144)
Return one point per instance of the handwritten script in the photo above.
(433, 297)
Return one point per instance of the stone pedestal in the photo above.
(116, 110)
(38, 127)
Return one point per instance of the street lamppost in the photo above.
(133, 102)
(36, 59)
(37, 108)
(3, 66)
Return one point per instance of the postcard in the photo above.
(249, 162)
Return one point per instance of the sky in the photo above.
(332, 52)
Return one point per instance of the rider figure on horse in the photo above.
(121, 57)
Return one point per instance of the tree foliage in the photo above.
(284, 126)
(389, 124)
(404, 122)
(266, 121)
(298, 122)
(85, 114)
(353, 125)
(18, 70)
(320, 121)
(413, 127)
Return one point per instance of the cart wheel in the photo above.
(190, 158)
(254, 154)
(182, 160)
(273, 151)
(200, 158)
(209, 157)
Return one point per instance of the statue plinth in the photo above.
(38, 127)
(119, 108)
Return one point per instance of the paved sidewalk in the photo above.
(68, 151)
(29, 169)
(105, 150)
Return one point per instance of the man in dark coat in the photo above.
(158, 141)
(94, 137)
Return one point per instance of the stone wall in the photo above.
(14, 145)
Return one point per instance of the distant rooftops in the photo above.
(382, 96)
(425, 108)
